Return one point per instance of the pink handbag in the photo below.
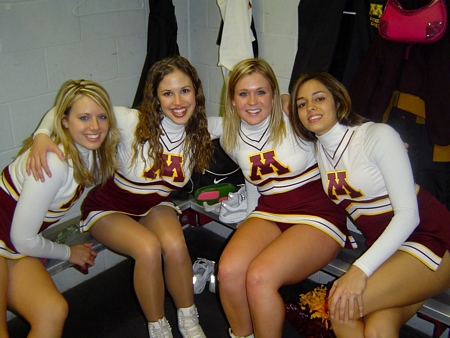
(422, 25)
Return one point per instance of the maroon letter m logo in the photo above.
(266, 163)
(172, 168)
(338, 186)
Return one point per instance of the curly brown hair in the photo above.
(197, 146)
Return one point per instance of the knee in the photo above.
(62, 311)
(380, 330)
(53, 311)
(231, 273)
(57, 308)
(146, 250)
(371, 329)
(175, 249)
(258, 280)
(346, 329)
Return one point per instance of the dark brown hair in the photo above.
(342, 100)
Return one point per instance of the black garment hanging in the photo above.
(358, 28)
(161, 39)
(334, 35)
(318, 32)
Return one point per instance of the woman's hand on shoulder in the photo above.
(82, 255)
(37, 158)
(346, 294)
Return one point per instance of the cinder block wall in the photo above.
(45, 42)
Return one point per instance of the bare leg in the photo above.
(164, 223)
(32, 293)
(292, 257)
(401, 283)
(384, 323)
(126, 236)
(245, 244)
(387, 323)
(3, 295)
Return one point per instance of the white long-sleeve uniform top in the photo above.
(366, 170)
(41, 202)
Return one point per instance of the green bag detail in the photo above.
(215, 193)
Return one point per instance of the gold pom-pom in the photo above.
(316, 302)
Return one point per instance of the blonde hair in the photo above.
(105, 164)
(231, 119)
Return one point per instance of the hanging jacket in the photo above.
(161, 39)
(426, 74)
(334, 35)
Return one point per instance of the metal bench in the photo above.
(54, 266)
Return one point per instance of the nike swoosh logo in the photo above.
(218, 181)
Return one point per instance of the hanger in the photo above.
(110, 10)
(350, 7)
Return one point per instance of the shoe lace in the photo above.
(190, 327)
(203, 264)
(156, 333)
(202, 269)
(163, 331)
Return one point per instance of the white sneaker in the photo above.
(236, 198)
(202, 269)
(188, 323)
(160, 329)
(214, 208)
(233, 214)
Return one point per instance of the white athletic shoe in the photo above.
(214, 208)
(233, 214)
(234, 336)
(236, 198)
(203, 269)
(160, 329)
(188, 323)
